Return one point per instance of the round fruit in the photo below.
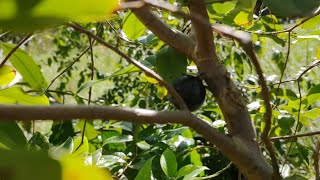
(192, 91)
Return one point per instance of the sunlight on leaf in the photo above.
(16, 95)
(7, 74)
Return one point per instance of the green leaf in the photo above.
(146, 171)
(295, 177)
(223, 8)
(314, 90)
(36, 14)
(7, 74)
(38, 140)
(132, 27)
(64, 149)
(285, 123)
(195, 158)
(195, 173)
(16, 95)
(21, 165)
(242, 13)
(187, 169)
(26, 66)
(311, 114)
(84, 148)
(170, 63)
(168, 163)
(286, 94)
(118, 139)
(61, 131)
(292, 8)
(11, 136)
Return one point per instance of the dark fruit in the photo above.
(192, 91)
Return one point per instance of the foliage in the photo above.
(54, 67)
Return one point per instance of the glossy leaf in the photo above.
(118, 139)
(168, 163)
(63, 150)
(195, 173)
(145, 172)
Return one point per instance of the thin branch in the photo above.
(290, 29)
(145, 69)
(89, 92)
(315, 64)
(71, 64)
(246, 43)
(218, 173)
(15, 49)
(298, 121)
(295, 136)
(66, 69)
(286, 61)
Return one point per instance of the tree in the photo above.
(163, 53)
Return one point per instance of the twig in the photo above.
(290, 29)
(66, 69)
(89, 93)
(295, 136)
(14, 49)
(71, 64)
(298, 120)
(145, 69)
(315, 64)
(286, 61)
(217, 173)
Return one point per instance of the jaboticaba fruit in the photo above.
(192, 91)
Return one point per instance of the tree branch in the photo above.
(246, 43)
(295, 136)
(173, 38)
(69, 112)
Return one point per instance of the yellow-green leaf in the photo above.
(84, 148)
(16, 95)
(132, 27)
(26, 66)
(7, 74)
